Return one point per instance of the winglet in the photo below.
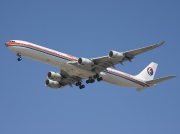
(161, 43)
(132, 53)
(158, 45)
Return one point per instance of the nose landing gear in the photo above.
(19, 57)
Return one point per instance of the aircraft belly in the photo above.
(118, 81)
(39, 56)
(73, 70)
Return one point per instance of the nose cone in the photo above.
(6, 44)
(9, 43)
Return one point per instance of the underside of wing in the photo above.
(62, 79)
(69, 79)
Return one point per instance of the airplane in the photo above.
(74, 70)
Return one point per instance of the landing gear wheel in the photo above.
(81, 86)
(96, 76)
(99, 79)
(92, 81)
(78, 83)
(87, 81)
(19, 59)
(18, 54)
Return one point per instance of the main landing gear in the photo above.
(92, 80)
(19, 57)
(81, 86)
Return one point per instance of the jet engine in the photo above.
(52, 84)
(85, 62)
(118, 56)
(54, 76)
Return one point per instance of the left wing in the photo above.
(101, 63)
(69, 80)
(62, 79)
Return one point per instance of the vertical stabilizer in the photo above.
(149, 72)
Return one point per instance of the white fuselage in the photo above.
(61, 60)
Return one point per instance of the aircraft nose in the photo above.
(6, 44)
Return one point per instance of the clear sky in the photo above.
(89, 29)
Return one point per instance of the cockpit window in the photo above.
(12, 41)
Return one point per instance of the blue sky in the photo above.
(89, 29)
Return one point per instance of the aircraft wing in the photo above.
(133, 53)
(106, 61)
(101, 63)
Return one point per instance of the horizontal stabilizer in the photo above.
(155, 81)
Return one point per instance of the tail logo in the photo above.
(150, 71)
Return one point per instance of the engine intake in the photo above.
(85, 62)
(116, 55)
(52, 84)
(54, 76)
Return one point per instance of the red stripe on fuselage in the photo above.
(8, 44)
(125, 76)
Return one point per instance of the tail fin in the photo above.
(149, 72)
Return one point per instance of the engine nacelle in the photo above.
(54, 76)
(118, 56)
(52, 84)
(85, 62)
